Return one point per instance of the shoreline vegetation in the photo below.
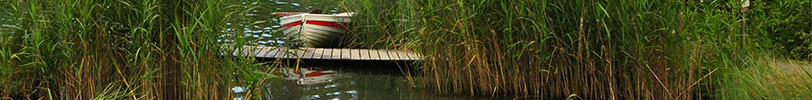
(126, 49)
(595, 49)
(524, 49)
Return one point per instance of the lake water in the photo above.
(354, 80)
(265, 23)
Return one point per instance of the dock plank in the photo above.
(377, 53)
(355, 54)
(286, 53)
(327, 53)
(403, 55)
(304, 53)
(365, 54)
(336, 54)
(412, 56)
(397, 55)
(348, 54)
(317, 53)
(386, 55)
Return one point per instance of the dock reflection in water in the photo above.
(343, 86)
(338, 80)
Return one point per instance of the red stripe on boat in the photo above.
(326, 23)
(289, 25)
(316, 73)
(320, 23)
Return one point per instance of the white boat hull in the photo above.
(316, 30)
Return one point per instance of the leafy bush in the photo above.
(786, 23)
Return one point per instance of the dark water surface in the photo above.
(356, 80)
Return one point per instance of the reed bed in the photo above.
(555, 49)
(126, 49)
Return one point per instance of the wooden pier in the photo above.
(329, 53)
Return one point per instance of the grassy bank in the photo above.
(772, 79)
(124, 49)
(595, 49)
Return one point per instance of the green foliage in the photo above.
(597, 49)
(806, 49)
(783, 22)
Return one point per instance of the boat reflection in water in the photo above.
(306, 84)
(348, 80)
(309, 76)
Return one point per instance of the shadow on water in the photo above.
(390, 68)
(355, 80)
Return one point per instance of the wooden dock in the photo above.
(329, 53)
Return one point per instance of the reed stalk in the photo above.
(126, 49)
(543, 49)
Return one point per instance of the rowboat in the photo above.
(315, 30)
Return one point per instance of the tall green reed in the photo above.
(598, 49)
(126, 49)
